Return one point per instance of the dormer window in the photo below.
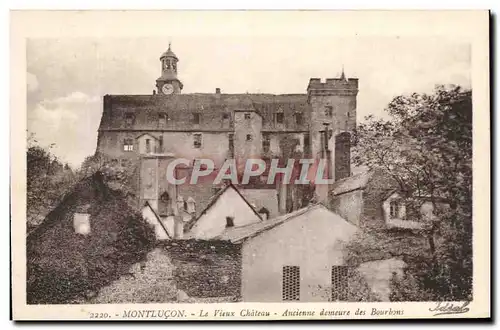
(148, 146)
(299, 118)
(196, 118)
(162, 118)
(280, 117)
(129, 118)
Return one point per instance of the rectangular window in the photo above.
(307, 142)
(162, 118)
(81, 223)
(231, 145)
(329, 111)
(197, 141)
(225, 116)
(394, 207)
(266, 142)
(129, 118)
(229, 222)
(339, 283)
(249, 137)
(196, 118)
(128, 145)
(247, 116)
(280, 117)
(291, 283)
(299, 119)
(160, 142)
(148, 146)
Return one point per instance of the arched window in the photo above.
(164, 206)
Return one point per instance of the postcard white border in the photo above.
(464, 26)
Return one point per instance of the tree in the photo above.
(118, 176)
(47, 181)
(426, 147)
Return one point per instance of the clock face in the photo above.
(167, 89)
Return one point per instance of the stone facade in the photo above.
(221, 126)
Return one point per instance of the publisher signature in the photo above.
(443, 308)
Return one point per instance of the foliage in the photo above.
(118, 176)
(63, 265)
(426, 147)
(48, 179)
(358, 289)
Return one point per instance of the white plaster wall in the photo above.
(149, 216)
(314, 241)
(213, 222)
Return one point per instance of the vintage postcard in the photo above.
(250, 165)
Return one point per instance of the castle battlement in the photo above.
(333, 84)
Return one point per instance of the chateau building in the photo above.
(151, 129)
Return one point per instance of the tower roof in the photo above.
(169, 53)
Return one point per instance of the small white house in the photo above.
(295, 257)
(227, 209)
(396, 215)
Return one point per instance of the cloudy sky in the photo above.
(66, 78)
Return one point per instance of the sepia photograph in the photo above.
(175, 170)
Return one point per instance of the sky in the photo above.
(67, 77)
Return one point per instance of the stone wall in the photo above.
(206, 268)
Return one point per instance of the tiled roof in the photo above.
(236, 235)
(355, 182)
(179, 108)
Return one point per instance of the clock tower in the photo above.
(168, 83)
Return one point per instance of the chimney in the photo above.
(342, 155)
(217, 90)
(154, 92)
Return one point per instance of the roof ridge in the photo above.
(274, 222)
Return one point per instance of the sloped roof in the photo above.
(154, 137)
(355, 182)
(58, 254)
(214, 200)
(158, 219)
(180, 107)
(238, 234)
